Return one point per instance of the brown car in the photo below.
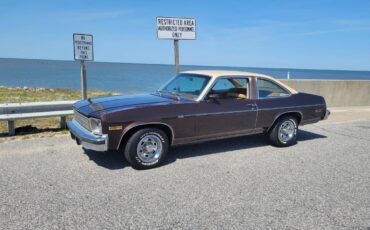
(194, 106)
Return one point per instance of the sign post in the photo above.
(83, 51)
(83, 80)
(177, 57)
(176, 29)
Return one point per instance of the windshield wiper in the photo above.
(159, 92)
(176, 95)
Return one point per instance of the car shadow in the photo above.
(115, 160)
(111, 160)
(231, 144)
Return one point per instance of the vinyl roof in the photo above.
(220, 73)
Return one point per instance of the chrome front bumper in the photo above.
(327, 113)
(86, 138)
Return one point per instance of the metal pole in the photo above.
(83, 80)
(177, 58)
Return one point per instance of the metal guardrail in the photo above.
(15, 111)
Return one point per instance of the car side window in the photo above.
(223, 84)
(269, 89)
(230, 88)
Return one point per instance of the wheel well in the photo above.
(296, 115)
(133, 130)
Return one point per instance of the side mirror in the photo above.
(213, 97)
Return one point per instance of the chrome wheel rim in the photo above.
(149, 148)
(286, 131)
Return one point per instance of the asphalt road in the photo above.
(240, 183)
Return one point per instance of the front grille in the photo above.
(82, 120)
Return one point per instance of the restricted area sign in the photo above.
(176, 28)
(83, 47)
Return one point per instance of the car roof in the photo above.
(221, 73)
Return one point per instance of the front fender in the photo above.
(128, 129)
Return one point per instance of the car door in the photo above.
(272, 100)
(227, 109)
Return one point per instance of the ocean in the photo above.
(128, 77)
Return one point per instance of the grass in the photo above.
(41, 125)
(15, 95)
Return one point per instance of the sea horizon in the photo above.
(197, 65)
(129, 77)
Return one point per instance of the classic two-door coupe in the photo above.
(194, 106)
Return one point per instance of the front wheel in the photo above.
(284, 132)
(146, 148)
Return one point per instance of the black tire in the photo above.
(131, 151)
(274, 132)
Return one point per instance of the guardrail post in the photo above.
(11, 128)
(63, 122)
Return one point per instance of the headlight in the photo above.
(95, 125)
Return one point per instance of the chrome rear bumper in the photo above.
(327, 113)
(86, 138)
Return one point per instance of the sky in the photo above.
(310, 34)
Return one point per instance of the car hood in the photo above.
(97, 106)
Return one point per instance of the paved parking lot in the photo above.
(240, 183)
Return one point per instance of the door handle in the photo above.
(254, 106)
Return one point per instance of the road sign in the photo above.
(83, 51)
(176, 28)
(83, 47)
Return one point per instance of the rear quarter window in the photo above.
(269, 89)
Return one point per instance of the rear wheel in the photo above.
(146, 148)
(284, 132)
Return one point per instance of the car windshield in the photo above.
(188, 85)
